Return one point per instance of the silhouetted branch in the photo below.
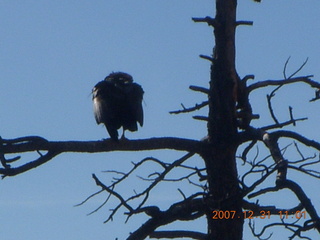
(317, 96)
(303, 198)
(294, 73)
(298, 137)
(160, 178)
(210, 21)
(28, 166)
(3, 160)
(276, 154)
(259, 210)
(270, 140)
(211, 59)
(180, 144)
(303, 163)
(54, 148)
(269, 97)
(201, 118)
(272, 94)
(267, 83)
(247, 23)
(194, 171)
(118, 181)
(304, 201)
(124, 176)
(88, 198)
(178, 234)
(247, 190)
(283, 124)
(293, 227)
(190, 109)
(300, 194)
(186, 210)
(109, 190)
(264, 191)
(143, 195)
(199, 89)
(247, 150)
(257, 134)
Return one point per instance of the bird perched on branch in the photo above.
(117, 102)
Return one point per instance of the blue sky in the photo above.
(53, 52)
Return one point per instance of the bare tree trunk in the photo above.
(222, 128)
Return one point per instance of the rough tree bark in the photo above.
(220, 158)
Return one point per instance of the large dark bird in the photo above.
(117, 102)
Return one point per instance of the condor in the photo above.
(117, 102)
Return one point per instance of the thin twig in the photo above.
(190, 109)
(199, 89)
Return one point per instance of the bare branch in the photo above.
(28, 166)
(257, 134)
(303, 198)
(211, 59)
(258, 209)
(188, 209)
(317, 96)
(269, 97)
(178, 234)
(257, 183)
(267, 83)
(264, 191)
(159, 179)
(299, 69)
(54, 148)
(191, 109)
(247, 23)
(144, 194)
(276, 154)
(199, 89)
(88, 198)
(201, 118)
(298, 191)
(298, 137)
(247, 150)
(180, 144)
(294, 73)
(285, 68)
(109, 190)
(283, 124)
(310, 172)
(209, 20)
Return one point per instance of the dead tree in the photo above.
(223, 198)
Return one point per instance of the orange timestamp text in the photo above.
(219, 214)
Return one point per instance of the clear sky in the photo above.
(53, 52)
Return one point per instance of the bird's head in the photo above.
(119, 78)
